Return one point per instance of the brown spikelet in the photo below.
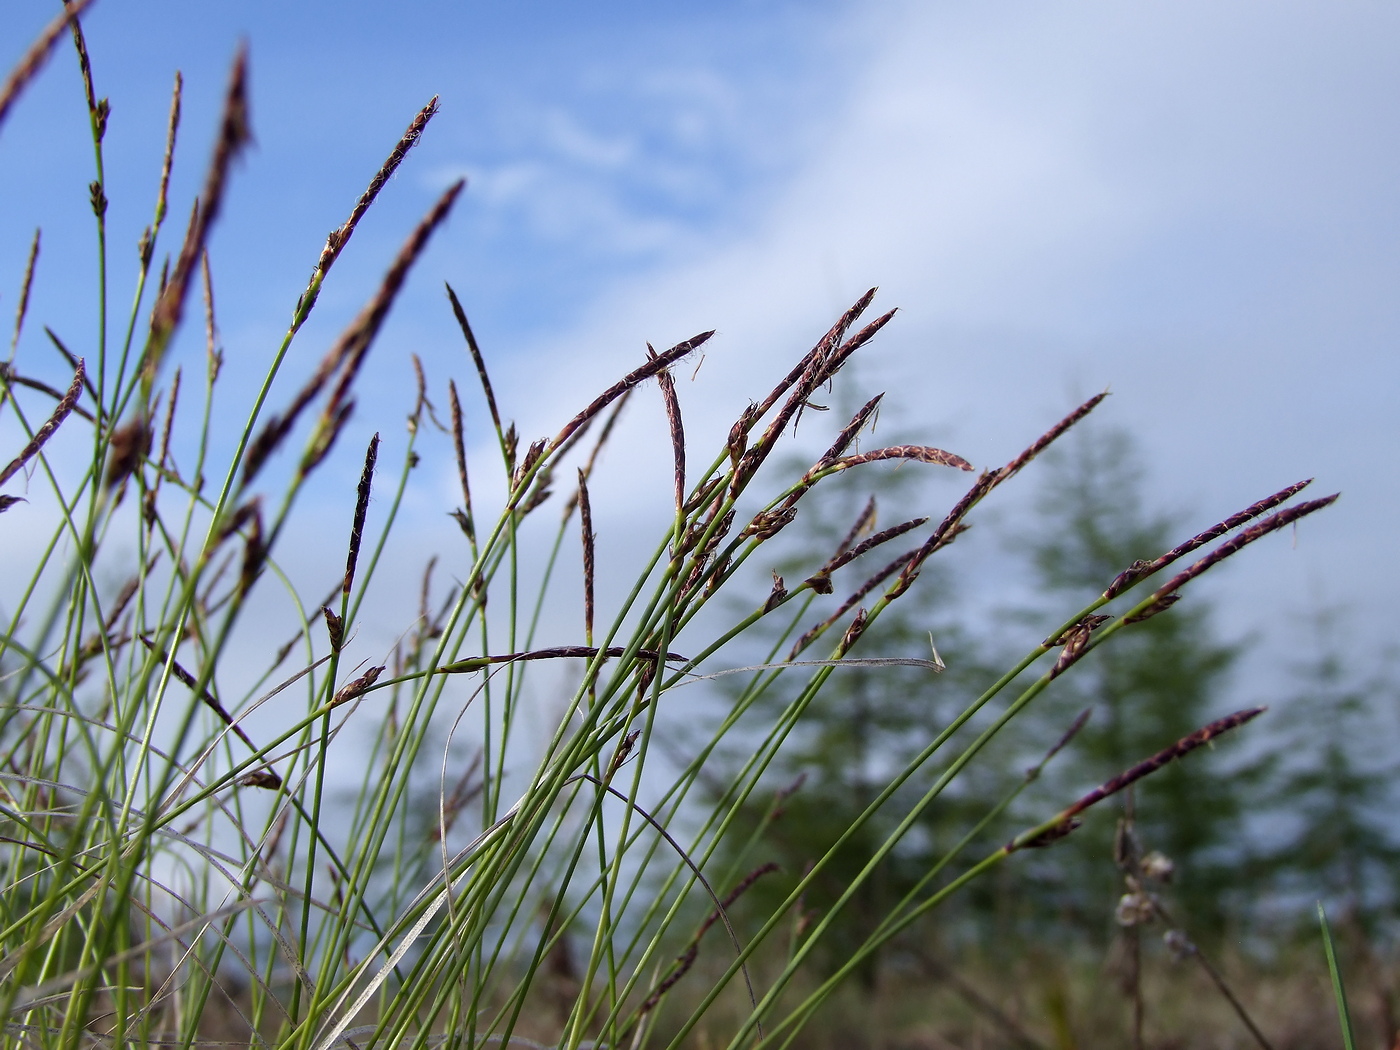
(574, 438)
(850, 603)
(349, 351)
(1092, 623)
(917, 453)
(72, 362)
(702, 495)
(682, 966)
(510, 442)
(124, 596)
(869, 544)
(824, 346)
(213, 356)
(23, 307)
(824, 361)
(532, 456)
(1162, 604)
(464, 522)
(340, 236)
(169, 425)
(335, 627)
(719, 572)
(865, 521)
(945, 529)
(585, 513)
(358, 687)
(953, 523)
(1046, 835)
(623, 750)
(558, 652)
(837, 360)
(694, 533)
(776, 595)
(825, 368)
(233, 136)
(717, 533)
(9, 375)
(346, 355)
(261, 778)
(97, 198)
(702, 561)
(540, 491)
(357, 528)
(162, 197)
(667, 384)
(254, 554)
(852, 429)
(153, 492)
(1240, 540)
(1076, 643)
(459, 446)
(1066, 738)
(424, 593)
(768, 523)
(323, 440)
(97, 111)
(1065, 821)
(739, 434)
(1050, 436)
(652, 367)
(277, 427)
(420, 399)
(853, 633)
(477, 359)
(192, 683)
(42, 435)
(687, 958)
(38, 53)
(1142, 569)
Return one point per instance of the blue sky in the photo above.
(1194, 204)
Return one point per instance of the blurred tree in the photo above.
(1331, 792)
(1154, 683)
(866, 724)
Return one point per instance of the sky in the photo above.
(1191, 204)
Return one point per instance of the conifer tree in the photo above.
(1330, 795)
(867, 722)
(1156, 683)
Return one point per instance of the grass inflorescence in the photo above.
(178, 855)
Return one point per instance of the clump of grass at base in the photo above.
(171, 862)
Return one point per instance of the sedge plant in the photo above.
(179, 858)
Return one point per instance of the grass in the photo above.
(1049, 999)
(179, 859)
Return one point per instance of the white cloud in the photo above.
(1172, 199)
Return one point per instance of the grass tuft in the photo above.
(474, 835)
